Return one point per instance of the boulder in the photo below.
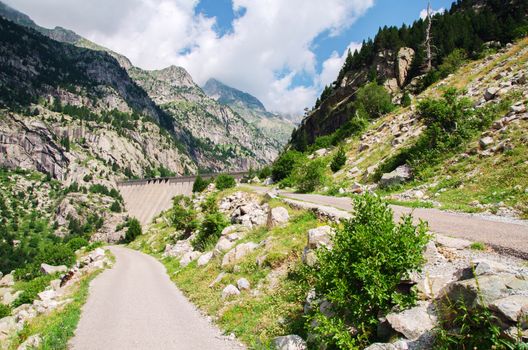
(179, 249)
(320, 236)
(321, 152)
(32, 342)
(47, 295)
(243, 284)
(238, 253)
(9, 297)
(218, 278)
(486, 290)
(277, 216)
(223, 245)
(414, 322)
(403, 64)
(50, 269)
(205, 258)
(490, 93)
(309, 257)
(7, 325)
(241, 230)
(400, 175)
(7, 281)
(268, 181)
(230, 290)
(518, 108)
(486, 142)
(381, 346)
(189, 257)
(289, 342)
(513, 308)
(455, 243)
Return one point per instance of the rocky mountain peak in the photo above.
(228, 95)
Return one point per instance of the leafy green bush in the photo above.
(339, 160)
(134, 230)
(210, 231)
(264, 173)
(375, 100)
(77, 243)
(310, 176)
(115, 207)
(183, 216)
(284, 165)
(371, 254)
(4, 311)
(200, 184)
(224, 182)
(406, 100)
(32, 288)
(210, 204)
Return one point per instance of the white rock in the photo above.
(50, 269)
(9, 297)
(289, 342)
(320, 236)
(205, 258)
(485, 142)
(238, 253)
(419, 194)
(223, 245)
(513, 307)
(218, 278)
(7, 281)
(401, 174)
(32, 342)
(230, 290)
(47, 295)
(414, 322)
(243, 284)
(490, 93)
(188, 258)
(277, 216)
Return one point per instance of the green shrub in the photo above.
(371, 254)
(183, 216)
(264, 173)
(375, 100)
(310, 176)
(32, 288)
(477, 246)
(134, 230)
(210, 204)
(339, 160)
(4, 311)
(200, 184)
(77, 243)
(406, 100)
(115, 207)
(284, 165)
(94, 246)
(210, 231)
(223, 182)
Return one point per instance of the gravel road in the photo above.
(134, 305)
(508, 236)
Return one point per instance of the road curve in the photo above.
(510, 237)
(135, 305)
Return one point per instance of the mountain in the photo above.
(252, 110)
(212, 134)
(396, 59)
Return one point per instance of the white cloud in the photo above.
(423, 13)
(267, 47)
(333, 64)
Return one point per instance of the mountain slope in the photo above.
(252, 110)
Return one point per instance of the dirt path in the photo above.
(508, 236)
(135, 305)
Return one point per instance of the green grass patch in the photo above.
(477, 246)
(410, 204)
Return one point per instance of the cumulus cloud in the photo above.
(423, 13)
(333, 64)
(269, 44)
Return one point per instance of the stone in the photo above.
(223, 245)
(205, 258)
(218, 278)
(357, 188)
(234, 229)
(419, 194)
(271, 195)
(455, 243)
(268, 181)
(309, 257)
(50, 269)
(47, 295)
(277, 216)
(490, 93)
(321, 152)
(488, 267)
(189, 257)
(513, 308)
(414, 322)
(179, 249)
(243, 284)
(320, 236)
(289, 342)
(400, 175)
(381, 346)
(403, 64)
(7, 281)
(238, 253)
(9, 297)
(7, 325)
(486, 290)
(32, 342)
(518, 108)
(230, 290)
(486, 142)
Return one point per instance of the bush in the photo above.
(4, 311)
(310, 176)
(210, 231)
(284, 165)
(200, 184)
(224, 182)
(115, 207)
(339, 160)
(32, 288)
(264, 173)
(406, 100)
(77, 243)
(183, 216)
(374, 99)
(134, 230)
(359, 276)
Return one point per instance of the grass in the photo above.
(410, 204)
(59, 326)
(477, 246)
(255, 318)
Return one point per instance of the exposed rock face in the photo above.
(289, 342)
(403, 64)
(277, 216)
(238, 253)
(400, 175)
(244, 209)
(415, 322)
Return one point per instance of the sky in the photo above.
(282, 51)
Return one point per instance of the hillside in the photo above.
(252, 110)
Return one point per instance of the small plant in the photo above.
(339, 160)
(183, 216)
(224, 182)
(371, 254)
(284, 165)
(406, 100)
(310, 176)
(210, 230)
(115, 207)
(134, 230)
(32, 288)
(77, 243)
(477, 246)
(4, 311)
(200, 184)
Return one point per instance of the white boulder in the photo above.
(230, 290)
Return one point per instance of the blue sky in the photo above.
(281, 51)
